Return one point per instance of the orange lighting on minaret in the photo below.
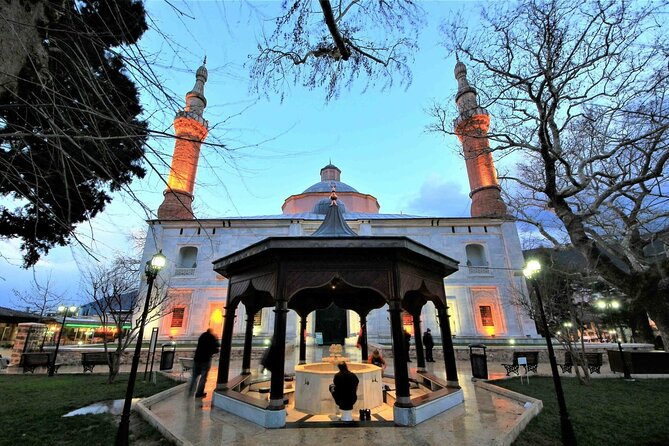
(472, 129)
(191, 130)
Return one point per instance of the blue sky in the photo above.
(377, 138)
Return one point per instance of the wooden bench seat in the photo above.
(90, 359)
(30, 361)
(594, 360)
(532, 362)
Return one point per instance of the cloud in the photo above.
(440, 198)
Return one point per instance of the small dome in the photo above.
(323, 206)
(202, 72)
(460, 70)
(326, 186)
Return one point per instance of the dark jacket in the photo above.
(346, 389)
(428, 342)
(207, 346)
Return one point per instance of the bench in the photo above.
(532, 362)
(186, 365)
(594, 362)
(639, 362)
(90, 359)
(30, 361)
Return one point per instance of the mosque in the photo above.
(480, 295)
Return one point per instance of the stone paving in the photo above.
(487, 417)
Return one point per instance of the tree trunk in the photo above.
(114, 366)
(641, 329)
(660, 315)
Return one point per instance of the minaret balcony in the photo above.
(184, 272)
(479, 270)
(194, 116)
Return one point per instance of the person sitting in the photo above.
(376, 359)
(344, 389)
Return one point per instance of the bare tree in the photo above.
(113, 293)
(40, 298)
(580, 88)
(331, 44)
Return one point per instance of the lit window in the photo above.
(178, 317)
(486, 316)
(257, 319)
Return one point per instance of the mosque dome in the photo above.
(323, 206)
(315, 198)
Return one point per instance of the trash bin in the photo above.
(479, 361)
(167, 356)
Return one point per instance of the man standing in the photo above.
(428, 342)
(207, 346)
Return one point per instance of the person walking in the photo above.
(344, 389)
(207, 346)
(428, 342)
(407, 343)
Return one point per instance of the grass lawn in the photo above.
(609, 412)
(31, 409)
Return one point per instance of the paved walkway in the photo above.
(485, 418)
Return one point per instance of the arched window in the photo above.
(187, 261)
(476, 259)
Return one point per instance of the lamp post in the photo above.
(567, 325)
(151, 270)
(614, 305)
(568, 436)
(65, 310)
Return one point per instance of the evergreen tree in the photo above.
(70, 133)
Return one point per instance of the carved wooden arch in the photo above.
(253, 298)
(339, 291)
(414, 300)
(375, 280)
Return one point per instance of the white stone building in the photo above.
(480, 295)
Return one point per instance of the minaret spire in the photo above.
(472, 129)
(191, 130)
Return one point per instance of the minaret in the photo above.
(191, 130)
(472, 129)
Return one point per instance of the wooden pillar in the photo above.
(420, 353)
(363, 337)
(400, 356)
(248, 341)
(226, 347)
(303, 339)
(447, 344)
(278, 356)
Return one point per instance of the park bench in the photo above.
(30, 361)
(594, 362)
(90, 359)
(186, 365)
(532, 362)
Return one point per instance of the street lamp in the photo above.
(568, 436)
(151, 270)
(65, 310)
(567, 325)
(614, 305)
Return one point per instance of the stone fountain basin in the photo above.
(312, 382)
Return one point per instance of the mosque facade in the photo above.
(481, 296)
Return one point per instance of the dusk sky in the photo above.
(275, 149)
